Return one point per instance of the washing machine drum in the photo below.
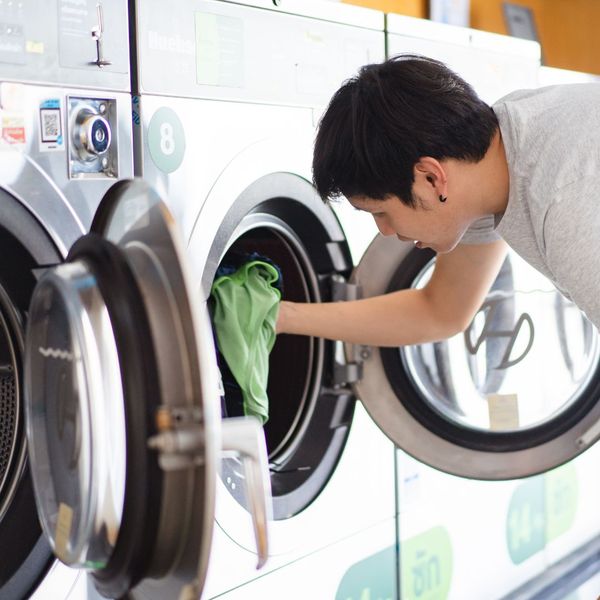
(121, 409)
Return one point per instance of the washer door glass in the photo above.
(122, 404)
(76, 416)
(513, 395)
(505, 373)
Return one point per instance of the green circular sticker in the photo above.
(166, 140)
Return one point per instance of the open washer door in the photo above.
(122, 406)
(514, 395)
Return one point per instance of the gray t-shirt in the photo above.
(552, 141)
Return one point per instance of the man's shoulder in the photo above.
(563, 95)
(545, 139)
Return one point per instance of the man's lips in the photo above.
(417, 243)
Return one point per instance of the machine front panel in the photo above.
(219, 50)
(68, 42)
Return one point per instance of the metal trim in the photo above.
(134, 217)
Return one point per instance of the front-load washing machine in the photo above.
(122, 401)
(527, 360)
(227, 96)
(65, 138)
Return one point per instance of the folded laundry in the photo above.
(245, 308)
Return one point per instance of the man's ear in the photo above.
(432, 171)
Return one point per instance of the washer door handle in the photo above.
(244, 437)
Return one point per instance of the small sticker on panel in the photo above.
(219, 50)
(33, 47)
(51, 130)
(12, 118)
(13, 128)
(503, 411)
(63, 529)
(135, 108)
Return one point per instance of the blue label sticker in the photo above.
(53, 103)
(51, 126)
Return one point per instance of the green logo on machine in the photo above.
(166, 140)
(541, 509)
(373, 578)
(561, 500)
(426, 571)
(426, 565)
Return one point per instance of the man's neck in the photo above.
(482, 186)
(494, 177)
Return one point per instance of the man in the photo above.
(409, 142)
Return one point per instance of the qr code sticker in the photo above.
(50, 122)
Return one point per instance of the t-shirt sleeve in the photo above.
(570, 241)
(481, 231)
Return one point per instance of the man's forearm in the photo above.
(440, 309)
(395, 319)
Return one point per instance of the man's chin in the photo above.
(442, 248)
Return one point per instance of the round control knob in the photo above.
(91, 134)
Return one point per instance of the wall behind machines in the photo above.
(412, 8)
(567, 29)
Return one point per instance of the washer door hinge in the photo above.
(346, 373)
(180, 439)
(346, 369)
(342, 291)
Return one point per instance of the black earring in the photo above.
(443, 198)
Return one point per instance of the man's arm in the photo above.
(444, 307)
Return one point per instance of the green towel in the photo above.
(244, 318)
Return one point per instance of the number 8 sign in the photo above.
(166, 140)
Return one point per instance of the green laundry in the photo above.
(246, 305)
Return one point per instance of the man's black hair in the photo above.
(382, 121)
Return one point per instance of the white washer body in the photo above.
(251, 116)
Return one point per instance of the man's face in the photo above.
(430, 224)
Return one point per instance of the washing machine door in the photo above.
(123, 404)
(514, 395)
